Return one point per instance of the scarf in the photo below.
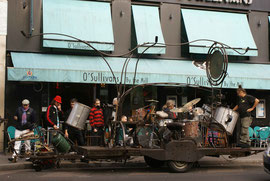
(24, 116)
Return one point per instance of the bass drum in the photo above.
(191, 129)
(78, 116)
(227, 118)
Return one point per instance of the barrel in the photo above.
(78, 116)
(60, 143)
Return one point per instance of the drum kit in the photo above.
(192, 118)
(190, 122)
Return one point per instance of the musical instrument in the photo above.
(198, 114)
(162, 114)
(78, 116)
(186, 107)
(164, 122)
(192, 103)
(227, 118)
(152, 100)
(207, 110)
(191, 129)
(177, 110)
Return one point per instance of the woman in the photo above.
(54, 113)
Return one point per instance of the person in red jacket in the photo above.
(54, 113)
(53, 116)
(97, 123)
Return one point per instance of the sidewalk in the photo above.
(254, 160)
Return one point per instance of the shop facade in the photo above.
(53, 63)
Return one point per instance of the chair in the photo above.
(11, 135)
(11, 132)
(256, 139)
(264, 135)
(251, 135)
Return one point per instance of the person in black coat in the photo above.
(25, 118)
(71, 132)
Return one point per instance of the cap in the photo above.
(25, 101)
(58, 99)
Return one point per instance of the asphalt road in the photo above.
(203, 173)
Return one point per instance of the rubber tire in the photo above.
(179, 167)
(38, 168)
(153, 163)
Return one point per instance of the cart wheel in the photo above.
(58, 164)
(37, 167)
(179, 166)
(153, 162)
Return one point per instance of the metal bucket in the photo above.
(78, 116)
(60, 143)
(227, 118)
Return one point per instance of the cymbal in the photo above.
(192, 103)
(151, 100)
(177, 110)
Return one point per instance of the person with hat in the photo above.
(25, 118)
(54, 113)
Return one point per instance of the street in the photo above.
(205, 172)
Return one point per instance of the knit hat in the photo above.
(58, 99)
(25, 102)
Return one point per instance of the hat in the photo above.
(58, 99)
(25, 102)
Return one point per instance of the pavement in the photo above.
(253, 160)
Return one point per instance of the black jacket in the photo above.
(51, 116)
(30, 119)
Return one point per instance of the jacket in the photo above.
(96, 117)
(30, 119)
(51, 115)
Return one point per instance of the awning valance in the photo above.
(90, 69)
(86, 20)
(231, 29)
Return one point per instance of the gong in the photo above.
(216, 64)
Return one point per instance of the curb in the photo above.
(97, 165)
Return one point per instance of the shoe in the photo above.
(28, 159)
(13, 160)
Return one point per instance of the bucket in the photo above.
(78, 116)
(60, 143)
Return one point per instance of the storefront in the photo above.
(54, 63)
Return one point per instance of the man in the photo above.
(25, 118)
(97, 123)
(115, 103)
(245, 107)
(71, 132)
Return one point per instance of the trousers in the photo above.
(245, 124)
(18, 144)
